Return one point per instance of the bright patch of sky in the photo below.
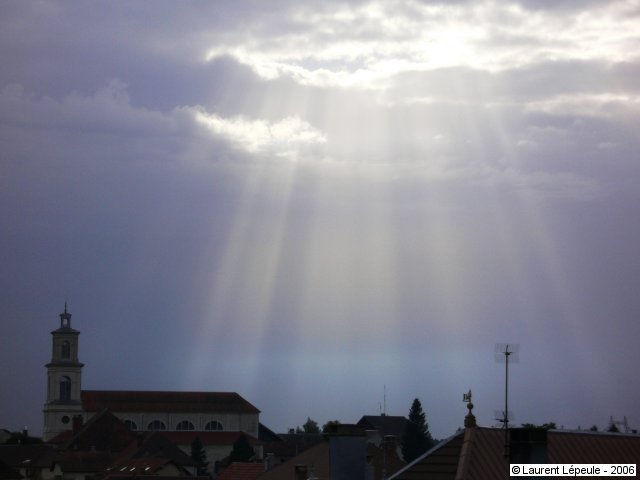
(363, 45)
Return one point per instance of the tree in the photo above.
(544, 426)
(200, 456)
(310, 426)
(327, 426)
(242, 450)
(416, 439)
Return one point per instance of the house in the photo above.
(31, 461)
(478, 453)
(288, 445)
(387, 425)
(347, 452)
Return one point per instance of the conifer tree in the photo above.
(417, 439)
(242, 450)
(310, 426)
(200, 456)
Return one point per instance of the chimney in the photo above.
(528, 445)
(77, 423)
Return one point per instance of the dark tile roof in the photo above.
(8, 473)
(386, 424)
(103, 431)
(315, 458)
(84, 461)
(478, 453)
(439, 463)
(265, 434)
(208, 438)
(150, 401)
(592, 447)
(242, 471)
(158, 445)
(136, 476)
(19, 456)
(292, 444)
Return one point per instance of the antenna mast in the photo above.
(510, 351)
(384, 410)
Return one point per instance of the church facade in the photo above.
(67, 404)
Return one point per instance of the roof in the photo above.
(439, 463)
(478, 453)
(208, 438)
(315, 458)
(157, 445)
(386, 424)
(242, 471)
(19, 456)
(8, 473)
(265, 434)
(84, 461)
(103, 431)
(292, 444)
(151, 401)
(593, 447)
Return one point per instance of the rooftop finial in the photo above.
(65, 318)
(470, 419)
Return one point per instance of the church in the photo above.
(67, 405)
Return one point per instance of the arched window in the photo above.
(156, 425)
(130, 424)
(66, 350)
(213, 425)
(65, 389)
(185, 425)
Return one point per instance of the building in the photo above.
(478, 453)
(345, 452)
(217, 418)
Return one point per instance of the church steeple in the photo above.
(65, 318)
(64, 379)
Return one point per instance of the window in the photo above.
(157, 425)
(213, 425)
(66, 350)
(185, 425)
(65, 389)
(131, 425)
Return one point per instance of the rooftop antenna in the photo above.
(384, 410)
(506, 352)
(622, 423)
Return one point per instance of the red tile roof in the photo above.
(150, 401)
(242, 471)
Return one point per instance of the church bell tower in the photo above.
(64, 379)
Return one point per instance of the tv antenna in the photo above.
(624, 423)
(506, 352)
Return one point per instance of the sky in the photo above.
(329, 207)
